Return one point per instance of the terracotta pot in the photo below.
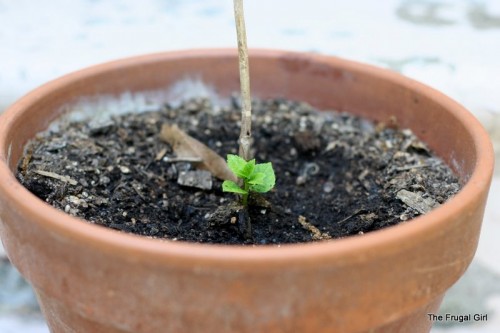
(92, 279)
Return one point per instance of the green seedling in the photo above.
(256, 177)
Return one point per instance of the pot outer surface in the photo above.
(91, 279)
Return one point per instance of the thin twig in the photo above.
(245, 139)
(193, 159)
(53, 175)
(352, 215)
(316, 233)
(409, 167)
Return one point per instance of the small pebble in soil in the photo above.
(328, 187)
(199, 179)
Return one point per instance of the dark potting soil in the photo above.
(337, 175)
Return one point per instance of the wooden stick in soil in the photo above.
(245, 139)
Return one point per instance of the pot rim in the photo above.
(387, 240)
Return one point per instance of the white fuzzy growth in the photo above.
(100, 108)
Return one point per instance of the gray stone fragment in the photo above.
(417, 201)
(200, 179)
(100, 127)
(328, 187)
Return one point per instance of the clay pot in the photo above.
(92, 279)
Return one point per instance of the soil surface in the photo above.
(337, 175)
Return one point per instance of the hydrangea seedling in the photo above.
(256, 177)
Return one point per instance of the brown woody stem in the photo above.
(245, 139)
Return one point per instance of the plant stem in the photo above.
(244, 199)
(245, 139)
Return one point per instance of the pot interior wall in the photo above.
(324, 83)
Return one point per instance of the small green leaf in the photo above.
(267, 170)
(230, 186)
(256, 178)
(268, 181)
(247, 170)
(261, 188)
(236, 164)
